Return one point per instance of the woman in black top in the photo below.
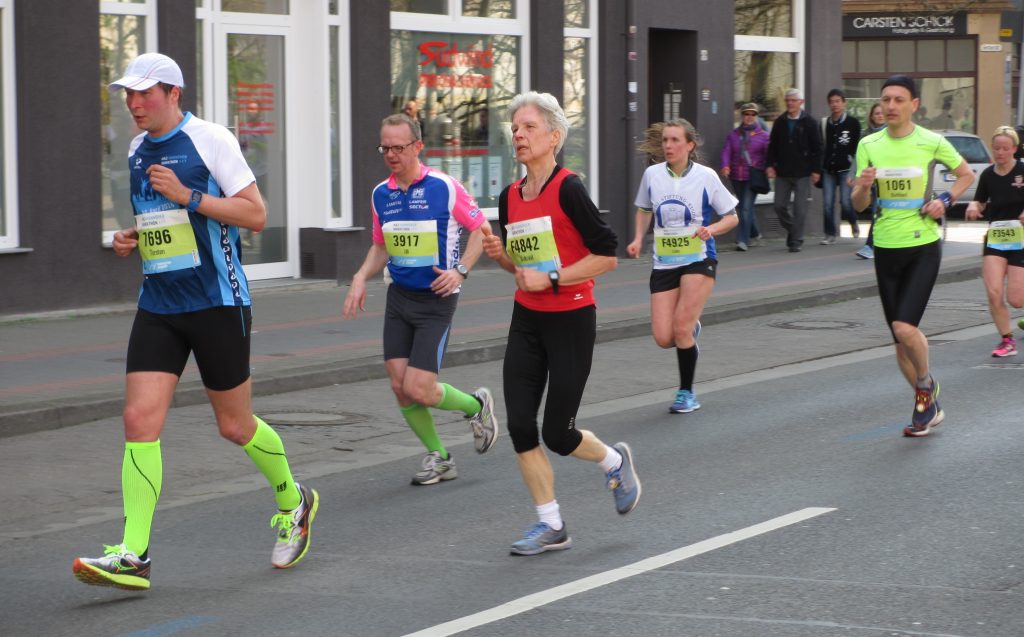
(1000, 199)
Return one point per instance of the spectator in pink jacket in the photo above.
(745, 147)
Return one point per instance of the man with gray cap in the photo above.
(794, 162)
(191, 191)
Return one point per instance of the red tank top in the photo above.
(568, 241)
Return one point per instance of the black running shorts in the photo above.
(417, 325)
(218, 338)
(665, 280)
(906, 277)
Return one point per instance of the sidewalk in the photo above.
(63, 369)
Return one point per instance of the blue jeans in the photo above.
(747, 228)
(829, 183)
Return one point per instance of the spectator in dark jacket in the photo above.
(842, 133)
(794, 162)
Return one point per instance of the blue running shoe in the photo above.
(927, 413)
(686, 401)
(624, 482)
(540, 538)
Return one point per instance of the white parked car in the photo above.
(975, 153)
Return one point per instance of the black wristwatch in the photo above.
(553, 276)
(463, 270)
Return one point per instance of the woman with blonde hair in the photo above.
(999, 198)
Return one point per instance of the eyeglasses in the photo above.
(384, 150)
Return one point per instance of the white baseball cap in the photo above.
(149, 69)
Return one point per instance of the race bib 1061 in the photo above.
(901, 188)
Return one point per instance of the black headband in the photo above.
(904, 81)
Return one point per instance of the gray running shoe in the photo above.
(540, 538)
(435, 469)
(294, 529)
(119, 568)
(624, 482)
(484, 423)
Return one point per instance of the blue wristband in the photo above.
(946, 199)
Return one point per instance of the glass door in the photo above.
(251, 102)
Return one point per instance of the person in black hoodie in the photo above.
(842, 133)
(794, 162)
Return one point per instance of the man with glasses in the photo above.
(418, 217)
(794, 162)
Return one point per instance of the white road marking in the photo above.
(585, 584)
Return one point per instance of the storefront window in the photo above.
(276, 7)
(763, 77)
(773, 18)
(943, 69)
(576, 151)
(489, 8)
(122, 38)
(437, 7)
(462, 85)
(577, 14)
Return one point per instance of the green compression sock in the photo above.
(422, 424)
(453, 399)
(267, 453)
(142, 475)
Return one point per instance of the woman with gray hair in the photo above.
(554, 241)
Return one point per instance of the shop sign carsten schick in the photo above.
(861, 25)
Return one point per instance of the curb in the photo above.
(46, 416)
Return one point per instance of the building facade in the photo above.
(303, 84)
(965, 73)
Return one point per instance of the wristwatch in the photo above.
(553, 276)
(463, 270)
(194, 199)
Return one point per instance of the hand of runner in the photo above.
(934, 209)
(492, 243)
(165, 182)
(974, 211)
(866, 178)
(125, 241)
(446, 283)
(530, 280)
(355, 300)
(633, 249)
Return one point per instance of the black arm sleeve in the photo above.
(599, 238)
(503, 214)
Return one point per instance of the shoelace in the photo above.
(923, 398)
(536, 531)
(615, 478)
(120, 550)
(285, 523)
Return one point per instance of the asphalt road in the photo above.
(789, 505)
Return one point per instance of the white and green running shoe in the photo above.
(119, 568)
(435, 469)
(294, 529)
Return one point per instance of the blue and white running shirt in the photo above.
(420, 227)
(681, 205)
(190, 262)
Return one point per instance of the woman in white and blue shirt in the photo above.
(683, 197)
